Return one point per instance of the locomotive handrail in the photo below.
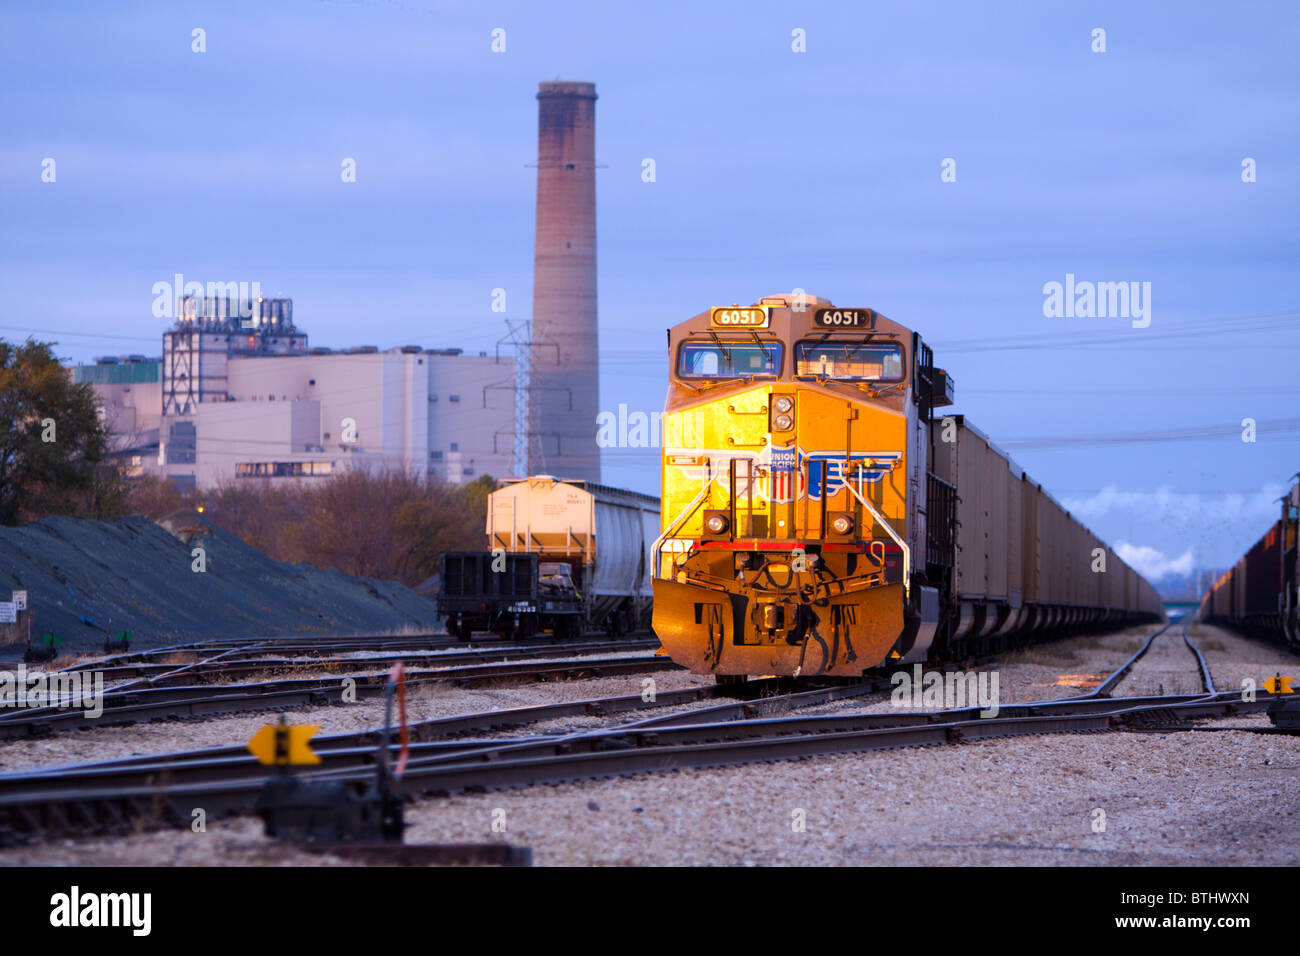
(889, 529)
(680, 520)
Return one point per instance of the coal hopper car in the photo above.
(562, 557)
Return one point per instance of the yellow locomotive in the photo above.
(810, 516)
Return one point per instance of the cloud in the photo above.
(1152, 563)
(1185, 507)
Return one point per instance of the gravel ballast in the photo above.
(1114, 798)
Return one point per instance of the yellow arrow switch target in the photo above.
(276, 745)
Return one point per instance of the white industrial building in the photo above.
(237, 393)
(235, 399)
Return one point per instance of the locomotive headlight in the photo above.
(715, 524)
(783, 404)
(782, 423)
(842, 524)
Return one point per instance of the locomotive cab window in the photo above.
(849, 361)
(729, 360)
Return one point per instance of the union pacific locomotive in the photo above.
(1260, 594)
(819, 518)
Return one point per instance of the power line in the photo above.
(1275, 426)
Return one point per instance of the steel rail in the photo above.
(266, 645)
(657, 743)
(206, 700)
(318, 645)
(750, 709)
(1207, 679)
(610, 752)
(358, 749)
(456, 667)
(220, 666)
(1111, 682)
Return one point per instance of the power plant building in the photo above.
(239, 394)
(229, 402)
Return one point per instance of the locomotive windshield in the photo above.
(729, 360)
(848, 361)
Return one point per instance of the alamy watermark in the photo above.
(84, 689)
(1098, 300)
(74, 909)
(626, 429)
(232, 299)
(946, 690)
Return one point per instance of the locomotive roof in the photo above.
(790, 318)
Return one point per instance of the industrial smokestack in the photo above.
(564, 380)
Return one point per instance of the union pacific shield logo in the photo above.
(784, 469)
(826, 470)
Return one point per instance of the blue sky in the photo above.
(775, 170)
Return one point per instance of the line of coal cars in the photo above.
(1259, 593)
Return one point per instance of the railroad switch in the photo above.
(322, 811)
(1285, 713)
(122, 643)
(332, 811)
(47, 650)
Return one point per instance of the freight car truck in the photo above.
(511, 594)
(564, 556)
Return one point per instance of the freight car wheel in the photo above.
(730, 680)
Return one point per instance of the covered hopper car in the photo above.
(563, 556)
(1259, 593)
(820, 518)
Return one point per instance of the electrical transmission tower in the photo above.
(521, 338)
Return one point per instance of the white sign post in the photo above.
(20, 600)
(8, 612)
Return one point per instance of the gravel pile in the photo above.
(138, 575)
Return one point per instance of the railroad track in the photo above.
(430, 737)
(47, 807)
(320, 646)
(273, 645)
(222, 666)
(82, 800)
(134, 704)
(1107, 687)
(104, 797)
